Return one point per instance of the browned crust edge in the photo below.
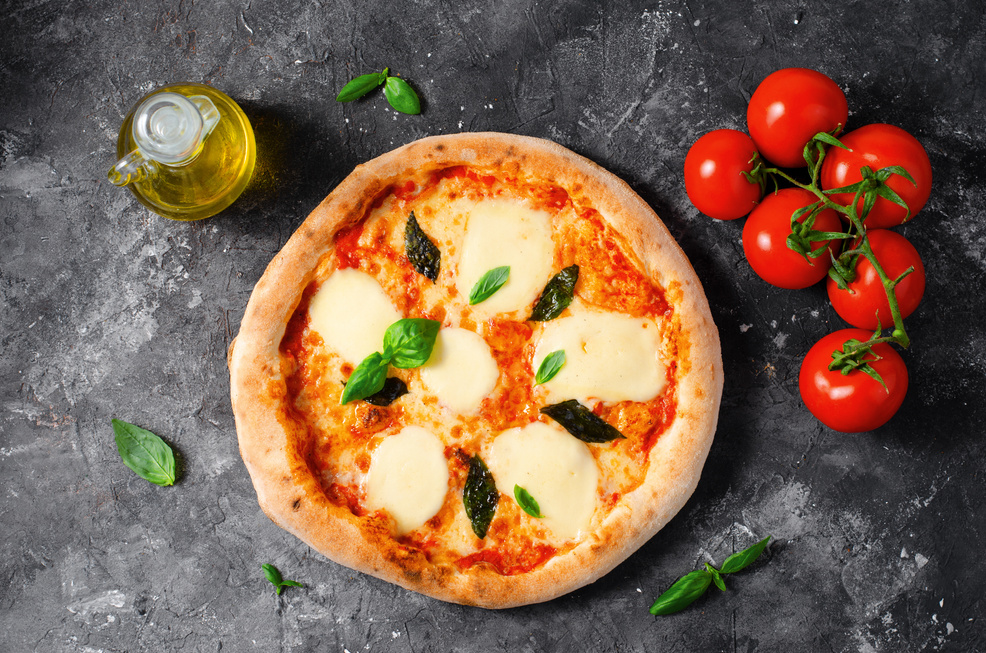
(258, 388)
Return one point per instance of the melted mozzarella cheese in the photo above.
(608, 356)
(555, 468)
(408, 477)
(502, 232)
(351, 312)
(461, 370)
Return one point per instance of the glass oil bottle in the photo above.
(186, 151)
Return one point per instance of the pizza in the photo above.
(482, 369)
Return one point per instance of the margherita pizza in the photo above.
(481, 369)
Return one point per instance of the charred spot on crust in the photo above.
(296, 505)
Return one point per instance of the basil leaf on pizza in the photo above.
(582, 422)
(424, 255)
(527, 502)
(480, 496)
(550, 366)
(488, 284)
(408, 343)
(557, 295)
(407, 490)
(145, 453)
(392, 390)
(368, 378)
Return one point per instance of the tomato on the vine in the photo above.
(879, 146)
(865, 301)
(714, 178)
(765, 240)
(854, 402)
(788, 108)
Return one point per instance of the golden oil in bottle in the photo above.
(186, 157)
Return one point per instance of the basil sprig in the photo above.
(480, 496)
(407, 343)
(274, 576)
(528, 503)
(550, 366)
(424, 255)
(684, 591)
(399, 93)
(145, 453)
(582, 422)
(488, 284)
(556, 296)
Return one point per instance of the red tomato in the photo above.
(866, 299)
(788, 108)
(879, 146)
(714, 178)
(765, 240)
(854, 402)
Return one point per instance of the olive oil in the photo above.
(210, 178)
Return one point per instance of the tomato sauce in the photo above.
(518, 560)
(347, 245)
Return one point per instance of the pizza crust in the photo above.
(293, 499)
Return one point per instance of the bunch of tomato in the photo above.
(834, 222)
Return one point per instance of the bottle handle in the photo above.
(130, 169)
(208, 111)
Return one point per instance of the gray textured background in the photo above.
(108, 311)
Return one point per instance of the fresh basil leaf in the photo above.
(527, 502)
(393, 388)
(408, 343)
(716, 577)
(274, 576)
(556, 296)
(682, 593)
(145, 453)
(550, 366)
(401, 96)
(744, 558)
(424, 255)
(360, 86)
(480, 496)
(368, 378)
(488, 284)
(582, 422)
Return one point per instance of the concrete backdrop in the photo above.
(109, 311)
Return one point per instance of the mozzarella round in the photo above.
(557, 469)
(351, 312)
(461, 371)
(608, 357)
(408, 477)
(504, 232)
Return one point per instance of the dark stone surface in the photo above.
(109, 311)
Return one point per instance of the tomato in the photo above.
(765, 240)
(714, 178)
(879, 146)
(788, 108)
(866, 300)
(854, 402)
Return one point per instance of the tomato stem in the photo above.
(867, 191)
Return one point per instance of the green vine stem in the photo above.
(852, 356)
